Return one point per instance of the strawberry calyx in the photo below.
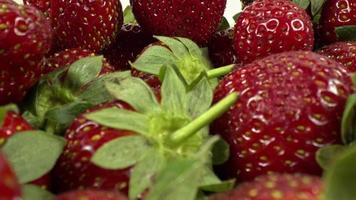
(173, 132)
(5, 109)
(179, 52)
(61, 95)
(346, 33)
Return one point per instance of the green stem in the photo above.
(214, 112)
(221, 71)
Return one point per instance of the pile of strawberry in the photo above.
(165, 101)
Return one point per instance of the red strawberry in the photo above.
(74, 169)
(93, 25)
(276, 186)
(11, 124)
(9, 186)
(68, 57)
(91, 195)
(129, 43)
(342, 52)
(25, 37)
(221, 50)
(268, 27)
(195, 19)
(336, 13)
(42, 5)
(291, 104)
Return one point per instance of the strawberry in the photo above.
(266, 27)
(129, 43)
(221, 50)
(23, 44)
(9, 186)
(42, 5)
(276, 186)
(74, 169)
(91, 195)
(68, 57)
(11, 124)
(94, 25)
(336, 13)
(291, 105)
(342, 52)
(195, 19)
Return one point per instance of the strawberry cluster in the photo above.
(165, 101)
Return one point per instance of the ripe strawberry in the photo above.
(221, 50)
(11, 124)
(129, 43)
(336, 13)
(268, 27)
(42, 5)
(93, 26)
(91, 195)
(276, 186)
(195, 19)
(25, 37)
(68, 57)
(291, 104)
(9, 186)
(342, 52)
(74, 169)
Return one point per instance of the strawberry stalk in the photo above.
(219, 72)
(214, 112)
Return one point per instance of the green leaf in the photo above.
(61, 117)
(211, 183)
(121, 119)
(33, 153)
(179, 180)
(94, 93)
(153, 58)
(200, 98)
(348, 124)
(224, 24)
(173, 92)
(316, 6)
(178, 48)
(121, 153)
(340, 179)
(346, 33)
(326, 156)
(221, 152)
(135, 92)
(32, 119)
(5, 109)
(129, 17)
(33, 192)
(144, 172)
(192, 47)
(303, 3)
(43, 101)
(353, 77)
(236, 16)
(83, 71)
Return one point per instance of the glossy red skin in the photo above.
(268, 27)
(74, 169)
(9, 187)
(129, 43)
(68, 57)
(276, 186)
(42, 5)
(194, 19)
(336, 13)
(94, 25)
(91, 195)
(342, 52)
(221, 50)
(23, 44)
(290, 105)
(12, 124)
